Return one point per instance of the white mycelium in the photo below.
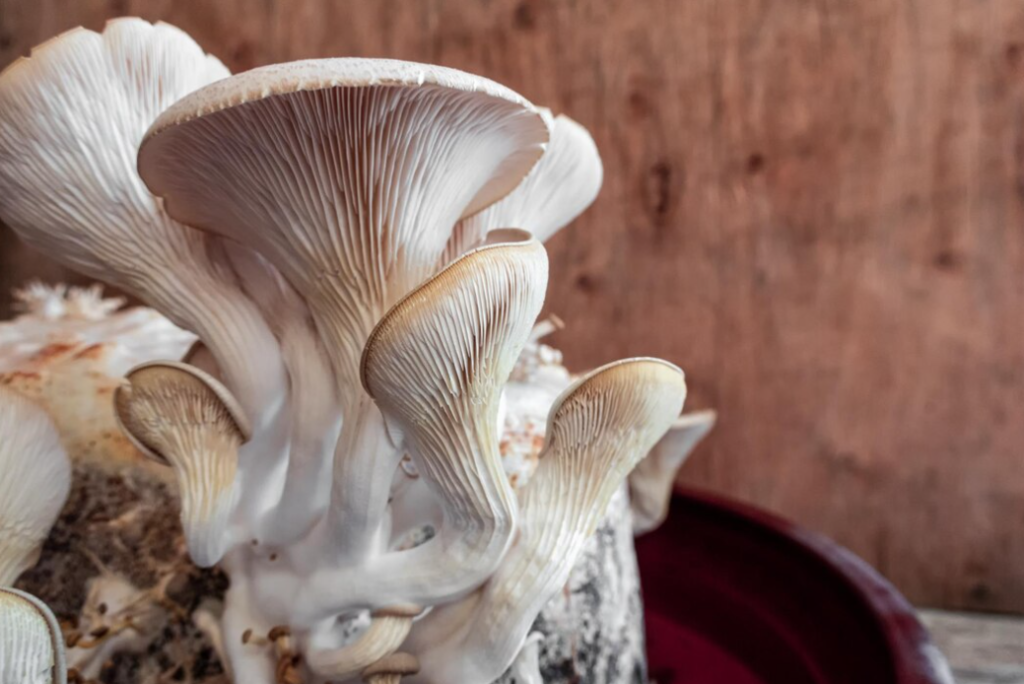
(353, 440)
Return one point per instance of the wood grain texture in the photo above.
(813, 206)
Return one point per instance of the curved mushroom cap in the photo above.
(71, 117)
(178, 414)
(31, 643)
(35, 478)
(437, 362)
(650, 483)
(347, 174)
(560, 187)
(598, 429)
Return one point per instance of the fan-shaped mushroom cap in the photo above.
(347, 174)
(31, 644)
(388, 629)
(71, 118)
(178, 414)
(650, 483)
(560, 187)
(35, 477)
(598, 429)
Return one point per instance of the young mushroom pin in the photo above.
(35, 478)
(31, 643)
(348, 175)
(179, 415)
(598, 430)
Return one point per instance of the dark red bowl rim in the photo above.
(915, 658)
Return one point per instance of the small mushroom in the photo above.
(179, 415)
(436, 365)
(348, 175)
(391, 669)
(388, 629)
(560, 187)
(31, 643)
(650, 483)
(598, 429)
(35, 478)
(71, 118)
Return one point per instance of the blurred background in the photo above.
(816, 208)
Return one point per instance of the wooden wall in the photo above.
(815, 207)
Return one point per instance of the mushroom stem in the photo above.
(388, 629)
(365, 462)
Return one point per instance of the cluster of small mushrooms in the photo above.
(348, 240)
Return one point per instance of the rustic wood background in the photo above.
(815, 207)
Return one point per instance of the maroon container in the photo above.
(734, 595)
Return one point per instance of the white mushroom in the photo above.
(598, 429)
(650, 483)
(71, 118)
(388, 629)
(564, 182)
(348, 175)
(178, 414)
(35, 478)
(436, 365)
(31, 644)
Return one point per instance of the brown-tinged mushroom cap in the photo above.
(347, 174)
(598, 429)
(35, 477)
(31, 643)
(388, 629)
(178, 414)
(650, 483)
(71, 118)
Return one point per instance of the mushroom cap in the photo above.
(31, 643)
(280, 81)
(71, 117)
(193, 394)
(559, 188)
(347, 175)
(35, 478)
(394, 664)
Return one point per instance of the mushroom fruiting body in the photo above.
(348, 239)
(31, 643)
(650, 483)
(35, 476)
(598, 429)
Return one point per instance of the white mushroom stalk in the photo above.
(598, 430)
(650, 483)
(31, 643)
(181, 416)
(35, 477)
(348, 176)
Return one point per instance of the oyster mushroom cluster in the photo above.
(357, 245)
